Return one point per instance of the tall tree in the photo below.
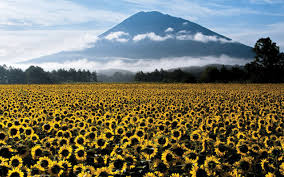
(36, 75)
(268, 63)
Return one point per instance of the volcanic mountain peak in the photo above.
(160, 24)
(153, 35)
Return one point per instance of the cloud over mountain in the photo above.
(152, 36)
(118, 36)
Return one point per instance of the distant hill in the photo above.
(153, 35)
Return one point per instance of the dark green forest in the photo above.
(36, 75)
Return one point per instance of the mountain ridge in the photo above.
(153, 35)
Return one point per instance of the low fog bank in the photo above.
(135, 65)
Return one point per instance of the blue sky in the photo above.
(30, 29)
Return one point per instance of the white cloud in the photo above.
(266, 1)
(51, 13)
(117, 36)
(139, 64)
(249, 36)
(203, 38)
(183, 32)
(198, 9)
(17, 46)
(169, 30)
(200, 37)
(152, 36)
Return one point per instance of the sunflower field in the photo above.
(173, 130)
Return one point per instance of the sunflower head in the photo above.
(80, 153)
(65, 152)
(16, 162)
(15, 172)
(56, 169)
(44, 162)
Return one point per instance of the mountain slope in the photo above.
(145, 22)
(153, 35)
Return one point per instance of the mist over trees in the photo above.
(268, 67)
(36, 75)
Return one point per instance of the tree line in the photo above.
(267, 67)
(36, 75)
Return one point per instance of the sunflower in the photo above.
(65, 152)
(220, 148)
(149, 150)
(3, 160)
(191, 155)
(241, 136)
(29, 131)
(211, 165)
(108, 134)
(244, 164)
(91, 136)
(255, 148)
(63, 142)
(44, 162)
(56, 169)
(35, 170)
(198, 171)
(3, 136)
(67, 134)
(120, 131)
(195, 136)
(270, 175)
(159, 166)
(175, 175)
(242, 148)
(101, 142)
(255, 135)
(162, 141)
(4, 168)
(134, 140)
(15, 172)
(188, 164)
(130, 160)
(34, 138)
(66, 166)
(267, 166)
(103, 172)
(118, 150)
(118, 165)
(269, 128)
(101, 160)
(79, 168)
(281, 169)
(37, 152)
(16, 162)
(275, 151)
(47, 128)
(80, 153)
(14, 131)
(176, 134)
(80, 140)
(140, 133)
(149, 174)
(168, 157)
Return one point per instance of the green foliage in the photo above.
(268, 65)
(36, 75)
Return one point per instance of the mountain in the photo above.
(153, 35)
